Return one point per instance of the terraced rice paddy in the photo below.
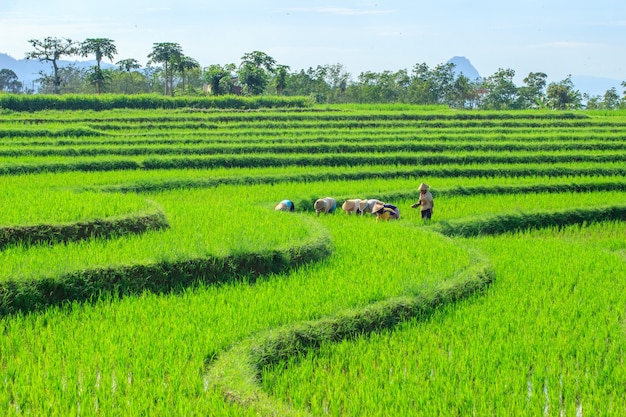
(144, 270)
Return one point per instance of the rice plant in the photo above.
(231, 308)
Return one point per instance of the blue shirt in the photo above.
(288, 203)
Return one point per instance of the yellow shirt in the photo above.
(387, 214)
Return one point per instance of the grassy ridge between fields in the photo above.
(514, 222)
(88, 229)
(438, 167)
(38, 102)
(159, 185)
(236, 373)
(25, 149)
(160, 277)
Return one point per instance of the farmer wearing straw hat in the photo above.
(285, 205)
(384, 211)
(366, 206)
(325, 205)
(351, 206)
(425, 202)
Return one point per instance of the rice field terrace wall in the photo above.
(144, 270)
(39, 102)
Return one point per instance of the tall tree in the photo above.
(337, 78)
(101, 48)
(501, 91)
(308, 83)
(611, 100)
(563, 95)
(9, 81)
(464, 92)
(166, 53)
(51, 50)
(435, 86)
(72, 80)
(532, 95)
(384, 87)
(281, 78)
(220, 79)
(442, 83)
(128, 65)
(420, 89)
(184, 64)
(255, 71)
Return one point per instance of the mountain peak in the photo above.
(463, 66)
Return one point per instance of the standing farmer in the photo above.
(425, 202)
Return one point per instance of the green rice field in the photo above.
(145, 272)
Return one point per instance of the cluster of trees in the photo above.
(171, 72)
(9, 82)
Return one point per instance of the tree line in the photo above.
(170, 72)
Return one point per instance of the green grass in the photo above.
(192, 325)
(33, 205)
(235, 309)
(546, 339)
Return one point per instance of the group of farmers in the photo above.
(382, 210)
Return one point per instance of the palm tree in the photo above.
(166, 53)
(98, 78)
(102, 48)
(185, 63)
(128, 65)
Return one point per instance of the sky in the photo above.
(556, 37)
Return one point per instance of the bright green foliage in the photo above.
(551, 320)
(509, 302)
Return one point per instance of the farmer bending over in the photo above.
(285, 205)
(386, 212)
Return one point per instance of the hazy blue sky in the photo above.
(557, 37)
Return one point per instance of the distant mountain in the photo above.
(27, 70)
(463, 66)
(593, 86)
